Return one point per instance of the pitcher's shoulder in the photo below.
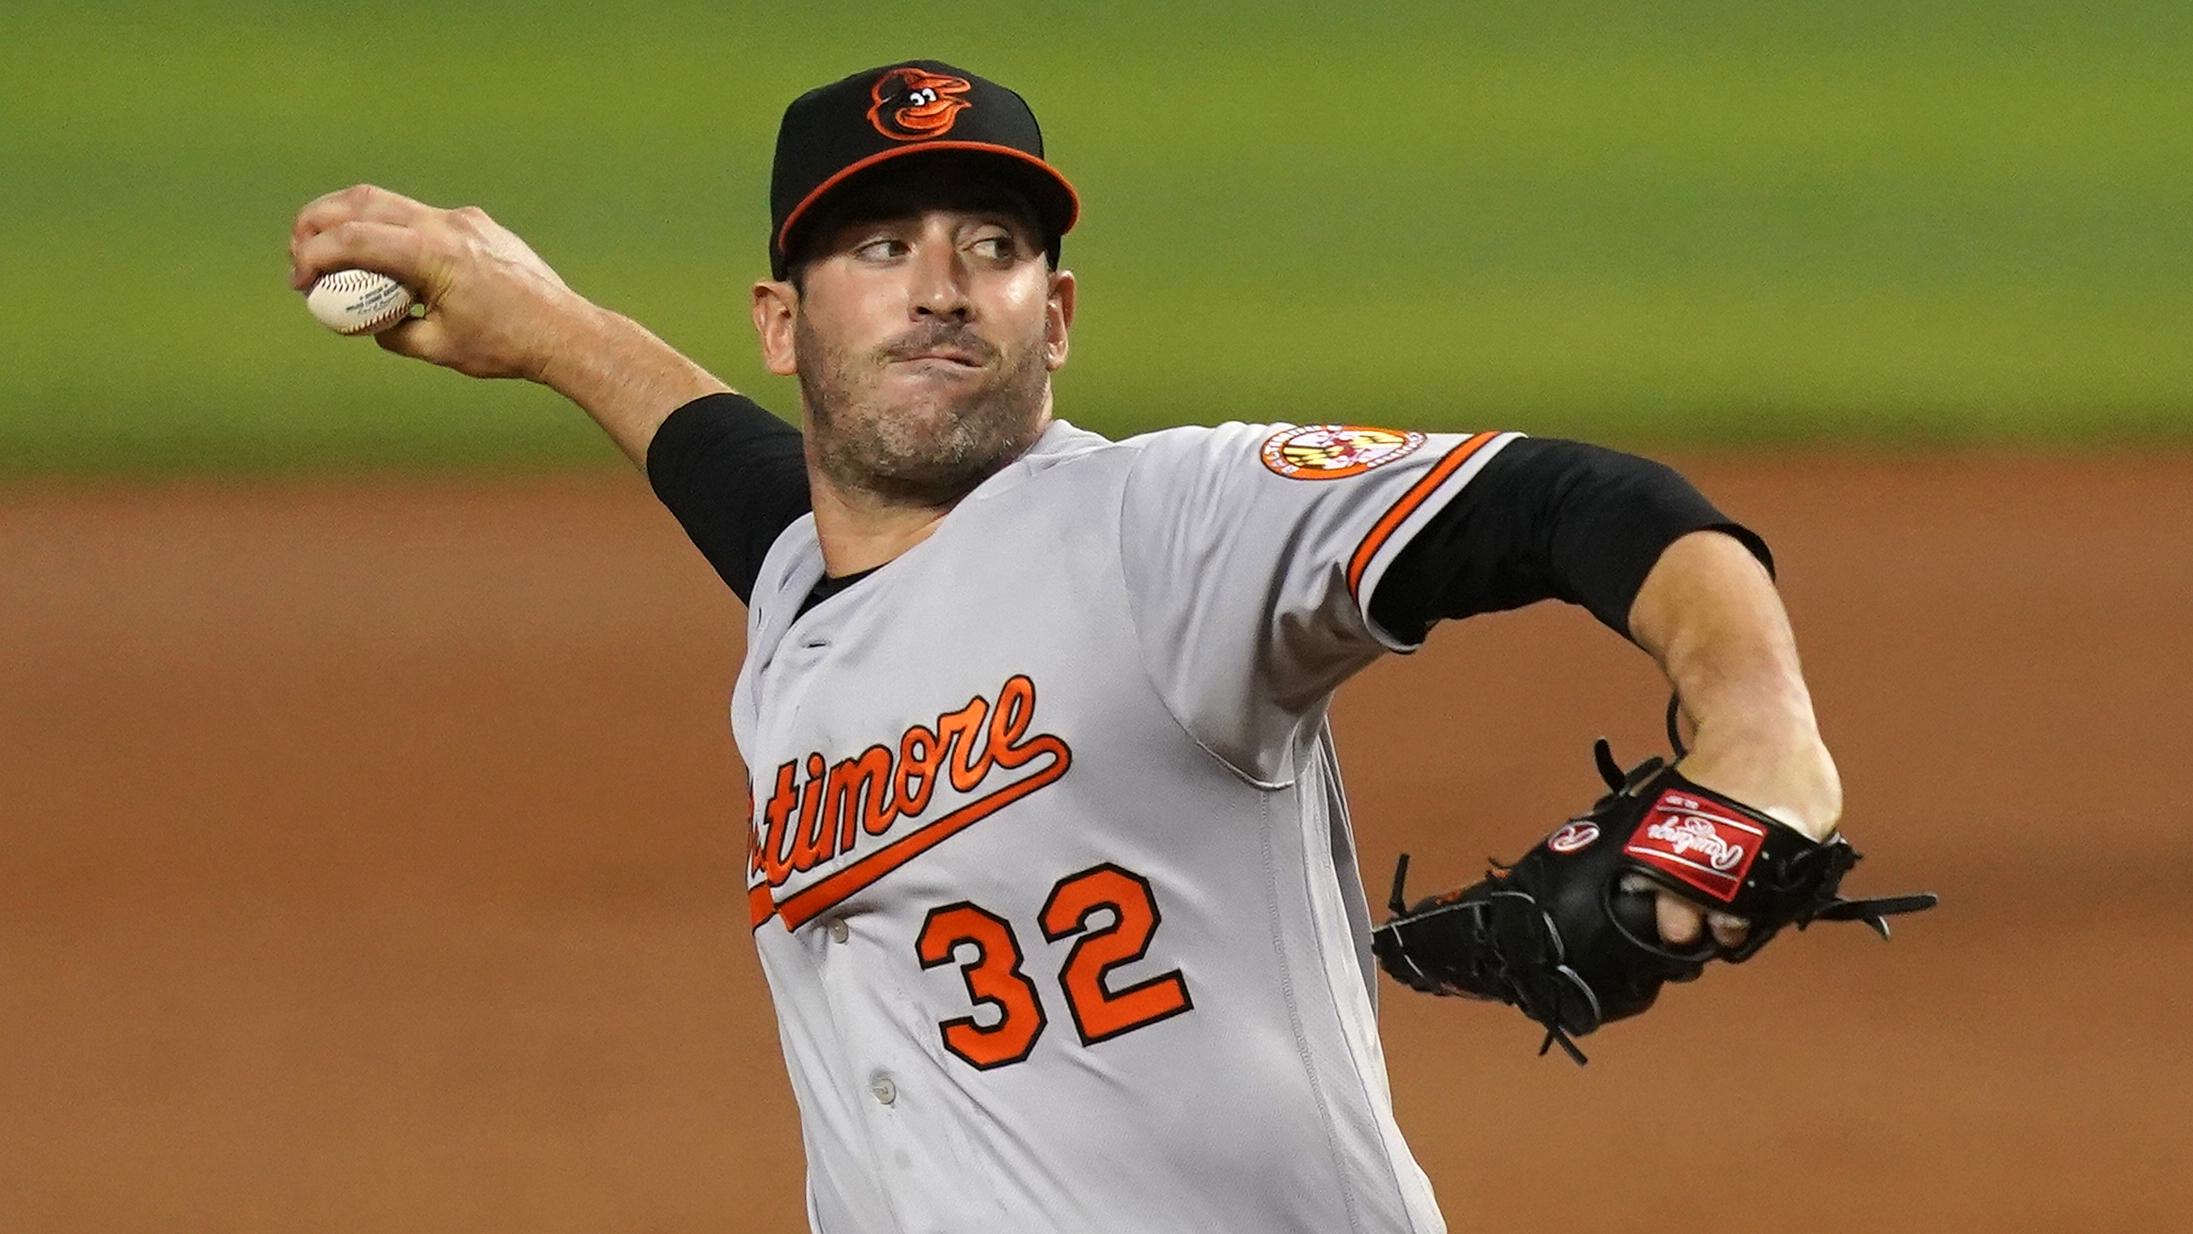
(1064, 443)
(1068, 460)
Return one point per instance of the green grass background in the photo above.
(1635, 221)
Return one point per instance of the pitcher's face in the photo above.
(924, 338)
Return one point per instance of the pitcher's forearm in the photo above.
(1710, 615)
(623, 376)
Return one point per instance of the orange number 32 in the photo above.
(994, 976)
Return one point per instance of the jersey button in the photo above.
(839, 931)
(883, 1090)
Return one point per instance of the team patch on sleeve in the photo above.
(1335, 451)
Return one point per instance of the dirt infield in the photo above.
(370, 860)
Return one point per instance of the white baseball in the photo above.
(358, 301)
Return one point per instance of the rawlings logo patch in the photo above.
(1573, 837)
(1695, 836)
(1696, 843)
(1335, 451)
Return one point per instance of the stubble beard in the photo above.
(932, 448)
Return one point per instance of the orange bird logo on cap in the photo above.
(915, 104)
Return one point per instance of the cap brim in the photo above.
(1058, 206)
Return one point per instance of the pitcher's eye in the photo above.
(996, 248)
(882, 248)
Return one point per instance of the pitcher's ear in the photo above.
(776, 308)
(1058, 318)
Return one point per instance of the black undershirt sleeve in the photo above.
(734, 476)
(1546, 519)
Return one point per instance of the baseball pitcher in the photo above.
(1050, 864)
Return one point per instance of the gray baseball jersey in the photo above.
(1051, 872)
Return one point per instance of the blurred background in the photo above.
(1909, 222)
(369, 837)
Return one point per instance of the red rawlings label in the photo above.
(1698, 842)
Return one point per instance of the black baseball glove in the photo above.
(1567, 933)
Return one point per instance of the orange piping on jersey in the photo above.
(822, 896)
(758, 904)
(1383, 529)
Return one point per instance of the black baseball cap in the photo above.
(833, 134)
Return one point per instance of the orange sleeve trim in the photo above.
(1383, 529)
(759, 906)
